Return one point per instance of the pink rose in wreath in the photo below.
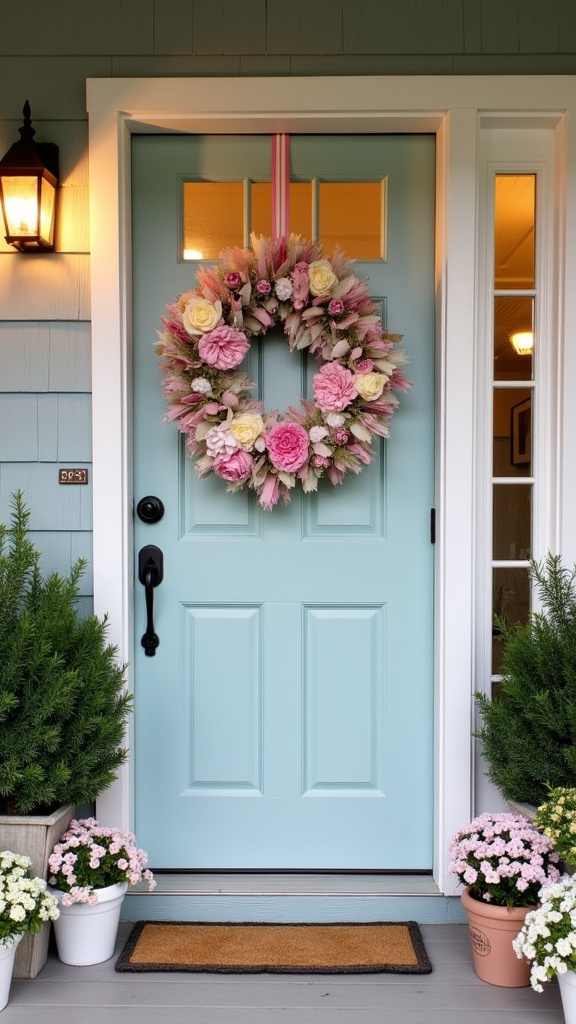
(235, 468)
(334, 387)
(224, 347)
(287, 445)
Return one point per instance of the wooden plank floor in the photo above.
(450, 995)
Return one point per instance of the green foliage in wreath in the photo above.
(63, 704)
(529, 729)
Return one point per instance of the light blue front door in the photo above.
(286, 719)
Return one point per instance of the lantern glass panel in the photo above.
(21, 205)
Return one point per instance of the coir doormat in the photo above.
(383, 947)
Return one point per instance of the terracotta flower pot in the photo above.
(492, 930)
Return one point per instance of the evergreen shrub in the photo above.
(63, 702)
(529, 729)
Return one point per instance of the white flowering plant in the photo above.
(556, 818)
(90, 856)
(504, 859)
(548, 936)
(25, 905)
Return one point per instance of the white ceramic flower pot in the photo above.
(567, 983)
(86, 932)
(6, 970)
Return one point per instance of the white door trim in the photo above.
(452, 108)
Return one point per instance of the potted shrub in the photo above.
(89, 871)
(528, 731)
(63, 706)
(503, 860)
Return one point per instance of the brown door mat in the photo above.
(385, 947)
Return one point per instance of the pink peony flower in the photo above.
(287, 445)
(334, 387)
(366, 366)
(224, 347)
(235, 468)
(341, 436)
(336, 307)
(263, 287)
(233, 279)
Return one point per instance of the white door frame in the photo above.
(454, 109)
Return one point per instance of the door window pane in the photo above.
(213, 218)
(513, 337)
(510, 601)
(300, 208)
(352, 217)
(512, 434)
(514, 216)
(512, 522)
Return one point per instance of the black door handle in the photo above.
(150, 574)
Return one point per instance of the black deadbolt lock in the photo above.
(150, 509)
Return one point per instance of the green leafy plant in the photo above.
(63, 703)
(529, 730)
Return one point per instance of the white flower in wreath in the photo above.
(321, 277)
(370, 385)
(220, 441)
(201, 386)
(201, 316)
(246, 428)
(317, 433)
(283, 288)
(335, 419)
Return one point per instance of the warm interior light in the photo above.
(522, 342)
(193, 254)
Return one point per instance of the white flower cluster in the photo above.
(24, 903)
(548, 937)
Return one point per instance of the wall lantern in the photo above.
(28, 182)
(522, 342)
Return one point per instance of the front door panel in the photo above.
(286, 719)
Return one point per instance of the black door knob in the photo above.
(150, 509)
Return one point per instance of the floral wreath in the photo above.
(321, 307)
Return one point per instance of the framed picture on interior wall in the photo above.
(521, 432)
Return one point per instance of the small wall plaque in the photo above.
(72, 476)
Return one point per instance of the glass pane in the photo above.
(513, 337)
(511, 601)
(21, 204)
(48, 201)
(300, 208)
(512, 522)
(213, 218)
(512, 455)
(514, 219)
(352, 217)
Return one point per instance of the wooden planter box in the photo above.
(34, 837)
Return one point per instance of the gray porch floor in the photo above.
(450, 995)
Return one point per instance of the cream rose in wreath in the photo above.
(322, 307)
